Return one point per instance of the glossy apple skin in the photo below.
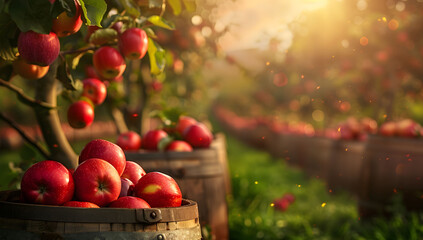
(96, 181)
(133, 43)
(158, 190)
(179, 146)
(47, 182)
(108, 62)
(183, 123)
(129, 141)
(80, 114)
(105, 150)
(388, 129)
(133, 171)
(29, 71)
(64, 25)
(129, 202)
(80, 204)
(127, 187)
(198, 136)
(95, 90)
(152, 138)
(38, 49)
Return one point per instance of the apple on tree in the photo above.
(38, 49)
(65, 25)
(95, 90)
(96, 181)
(105, 150)
(29, 71)
(133, 43)
(80, 204)
(133, 171)
(129, 141)
(80, 114)
(129, 202)
(108, 62)
(47, 182)
(158, 190)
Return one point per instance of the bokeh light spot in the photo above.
(318, 115)
(280, 79)
(393, 24)
(364, 41)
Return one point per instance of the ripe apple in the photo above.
(29, 71)
(408, 128)
(198, 136)
(96, 181)
(105, 150)
(133, 171)
(90, 72)
(80, 204)
(183, 123)
(39, 49)
(129, 141)
(118, 27)
(388, 129)
(127, 187)
(158, 190)
(80, 114)
(152, 138)
(47, 182)
(108, 62)
(95, 90)
(129, 202)
(369, 125)
(90, 31)
(64, 25)
(179, 146)
(133, 43)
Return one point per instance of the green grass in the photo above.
(258, 179)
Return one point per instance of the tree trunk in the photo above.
(49, 122)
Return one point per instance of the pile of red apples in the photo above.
(185, 136)
(103, 178)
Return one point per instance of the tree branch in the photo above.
(25, 136)
(25, 98)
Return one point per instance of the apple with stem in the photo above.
(80, 114)
(95, 90)
(65, 25)
(96, 181)
(129, 141)
(39, 49)
(108, 151)
(133, 43)
(47, 182)
(158, 190)
(108, 62)
(29, 71)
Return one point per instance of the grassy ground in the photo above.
(258, 179)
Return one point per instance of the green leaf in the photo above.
(150, 33)
(60, 6)
(64, 76)
(164, 142)
(130, 9)
(94, 11)
(31, 15)
(103, 36)
(190, 5)
(176, 6)
(156, 55)
(161, 22)
(8, 31)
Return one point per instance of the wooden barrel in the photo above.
(220, 145)
(200, 177)
(32, 221)
(393, 166)
(346, 166)
(317, 156)
(290, 147)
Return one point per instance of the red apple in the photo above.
(47, 182)
(179, 146)
(96, 181)
(129, 202)
(129, 141)
(90, 31)
(198, 136)
(158, 190)
(108, 62)
(39, 49)
(183, 123)
(282, 204)
(133, 43)
(80, 204)
(118, 27)
(29, 71)
(152, 138)
(64, 25)
(133, 171)
(95, 90)
(127, 187)
(388, 129)
(408, 128)
(80, 114)
(90, 72)
(369, 125)
(105, 150)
